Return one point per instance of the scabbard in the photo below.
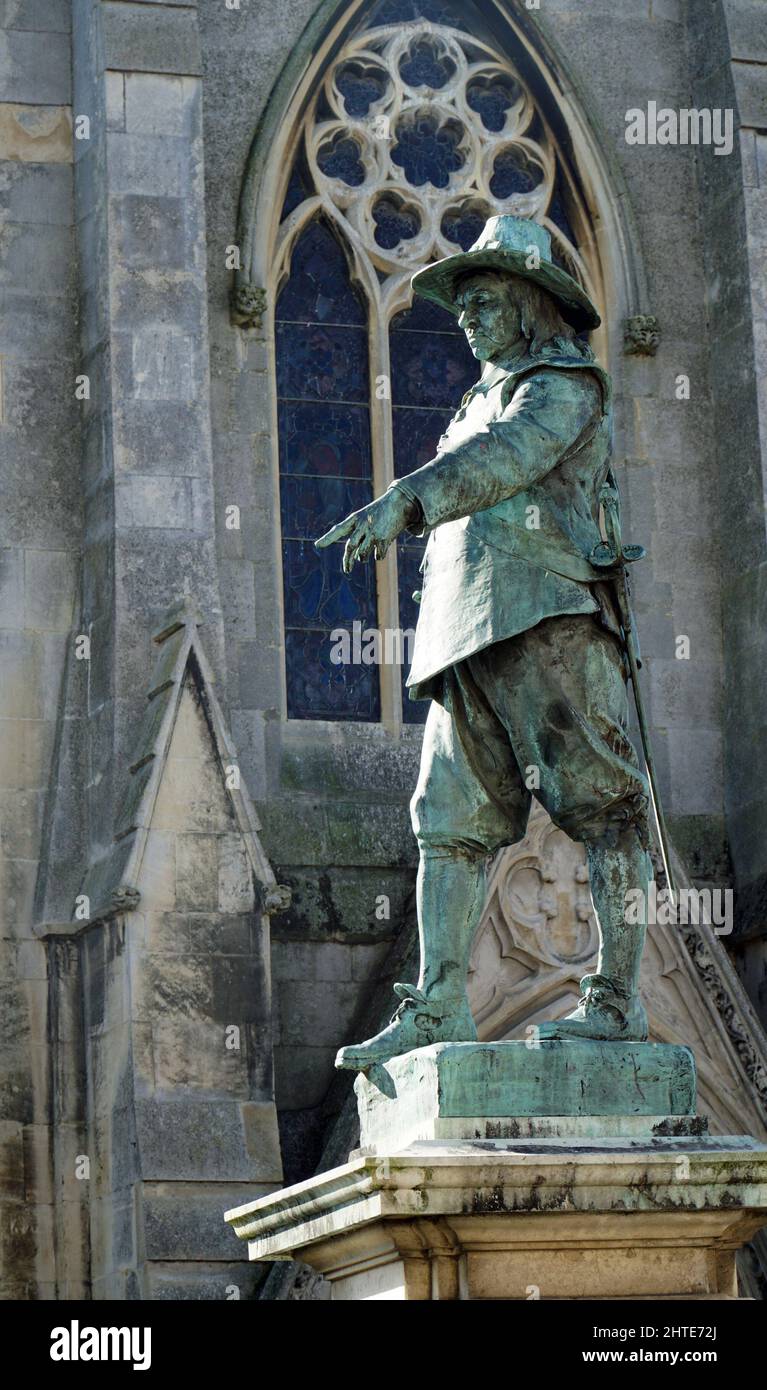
(619, 580)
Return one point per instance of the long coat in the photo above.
(511, 506)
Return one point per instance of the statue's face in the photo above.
(488, 314)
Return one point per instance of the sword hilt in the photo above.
(612, 552)
(604, 557)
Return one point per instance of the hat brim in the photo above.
(437, 282)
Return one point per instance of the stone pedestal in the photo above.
(471, 1090)
(461, 1191)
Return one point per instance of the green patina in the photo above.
(404, 1098)
(522, 644)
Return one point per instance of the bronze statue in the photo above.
(520, 643)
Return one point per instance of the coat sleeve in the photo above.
(544, 420)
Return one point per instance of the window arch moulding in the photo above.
(398, 127)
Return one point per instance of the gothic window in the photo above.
(419, 129)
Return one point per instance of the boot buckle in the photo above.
(428, 1013)
(600, 992)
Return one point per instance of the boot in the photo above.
(450, 896)
(605, 1013)
(417, 1022)
(610, 1009)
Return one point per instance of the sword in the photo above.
(612, 556)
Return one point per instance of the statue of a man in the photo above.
(518, 643)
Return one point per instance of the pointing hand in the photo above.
(372, 529)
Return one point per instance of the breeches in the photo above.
(544, 713)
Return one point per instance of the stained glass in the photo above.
(424, 66)
(321, 689)
(492, 97)
(513, 174)
(322, 362)
(299, 186)
(312, 505)
(360, 86)
(424, 314)
(535, 131)
(463, 225)
(325, 472)
(427, 150)
(340, 159)
(322, 331)
(394, 222)
(324, 439)
(317, 592)
(318, 290)
(558, 214)
(431, 369)
(416, 435)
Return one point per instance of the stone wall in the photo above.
(40, 518)
(729, 68)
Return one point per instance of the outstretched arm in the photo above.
(545, 418)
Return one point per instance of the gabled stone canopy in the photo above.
(181, 675)
(173, 995)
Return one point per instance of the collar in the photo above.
(561, 352)
(494, 372)
(559, 349)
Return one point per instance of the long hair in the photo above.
(541, 322)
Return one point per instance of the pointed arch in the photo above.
(606, 233)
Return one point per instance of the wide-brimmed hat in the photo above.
(508, 243)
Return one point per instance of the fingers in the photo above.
(370, 545)
(366, 545)
(359, 545)
(358, 530)
(350, 555)
(337, 533)
(352, 546)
